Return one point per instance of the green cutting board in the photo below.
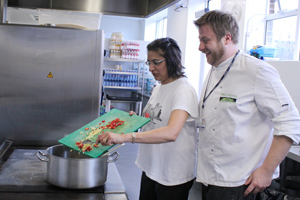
(131, 123)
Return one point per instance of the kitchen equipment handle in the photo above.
(113, 149)
(115, 159)
(38, 153)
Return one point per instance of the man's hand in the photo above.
(262, 176)
(259, 180)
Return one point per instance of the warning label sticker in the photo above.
(50, 75)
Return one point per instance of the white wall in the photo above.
(181, 28)
(194, 59)
(132, 28)
(177, 25)
(289, 72)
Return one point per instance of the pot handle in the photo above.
(114, 159)
(38, 153)
(113, 149)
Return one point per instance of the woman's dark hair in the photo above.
(172, 54)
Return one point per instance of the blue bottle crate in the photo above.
(264, 51)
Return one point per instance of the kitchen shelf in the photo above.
(123, 60)
(123, 88)
(126, 73)
(139, 73)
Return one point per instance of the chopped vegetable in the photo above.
(95, 145)
(95, 131)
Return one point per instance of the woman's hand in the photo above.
(132, 113)
(109, 138)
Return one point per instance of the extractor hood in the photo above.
(130, 8)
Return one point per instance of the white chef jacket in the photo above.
(240, 115)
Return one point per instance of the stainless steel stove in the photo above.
(23, 176)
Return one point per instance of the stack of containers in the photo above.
(115, 43)
(130, 50)
(123, 49)
(126, 78)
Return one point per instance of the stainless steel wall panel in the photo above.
(3, 11)
(131, 8)
(134, 8)
(36, 109)
(154, 6)
(30, 3)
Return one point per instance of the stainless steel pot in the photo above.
(70, 169)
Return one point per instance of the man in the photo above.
(242, 101)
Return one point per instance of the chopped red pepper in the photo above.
(96, 145)
(89, 148)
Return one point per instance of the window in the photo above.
(156, 26)
(161, 28)
(282, 28)
(278, 6)
(282, 35)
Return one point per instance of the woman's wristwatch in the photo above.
(133, 137)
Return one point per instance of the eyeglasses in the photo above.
(154, 62)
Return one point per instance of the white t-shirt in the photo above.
(239, 117)
(170, 163)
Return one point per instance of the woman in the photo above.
(167, 154)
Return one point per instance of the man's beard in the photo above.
(216, 55)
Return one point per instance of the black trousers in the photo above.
(152, 190)
(212, 192)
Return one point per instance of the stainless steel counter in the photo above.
(114, 188)
(23, 176)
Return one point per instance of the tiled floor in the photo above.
(130, 173)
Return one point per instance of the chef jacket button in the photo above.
(212, 150)
(221, 87)
(213, 129)
(215, 108)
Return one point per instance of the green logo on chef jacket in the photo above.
(228, 99)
